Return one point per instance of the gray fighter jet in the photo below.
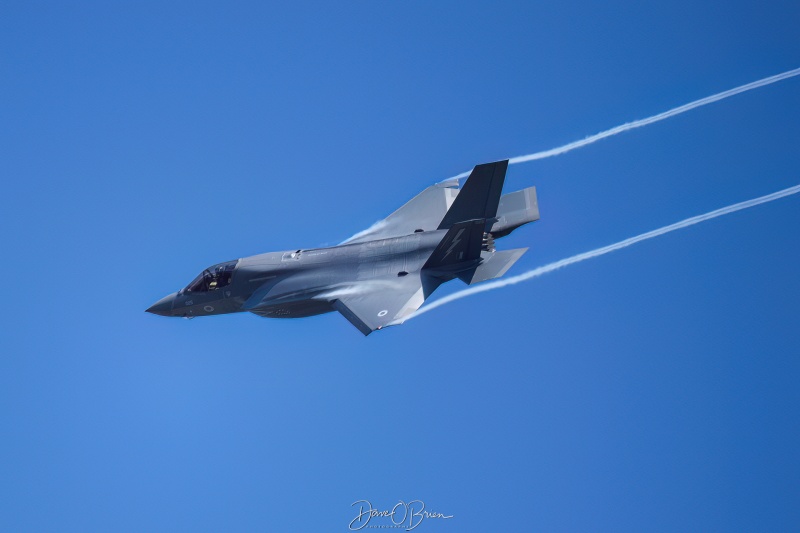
(380, 276)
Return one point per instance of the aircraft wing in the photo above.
(423, 212)
(375, 304)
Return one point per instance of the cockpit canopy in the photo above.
(212, 279)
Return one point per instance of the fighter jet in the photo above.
(380, 276)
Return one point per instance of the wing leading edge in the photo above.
(423, 212)
(378, 303)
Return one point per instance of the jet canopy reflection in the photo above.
(212, 279)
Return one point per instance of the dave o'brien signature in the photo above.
(414, 512)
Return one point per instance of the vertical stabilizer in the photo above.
(480, 195)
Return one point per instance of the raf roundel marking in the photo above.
(383, 313)
(208, 308)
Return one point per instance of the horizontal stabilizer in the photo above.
(494, 265)
(515, 209)
(479, 196)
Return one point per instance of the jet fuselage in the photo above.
(382, 275)
(298, 283)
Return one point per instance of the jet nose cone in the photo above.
(163, 307)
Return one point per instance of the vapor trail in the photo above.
(650, 120)
(536, 272)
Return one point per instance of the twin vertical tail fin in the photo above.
(473, 211)
(462, 243)
(479, 197)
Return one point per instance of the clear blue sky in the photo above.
(653, 389)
